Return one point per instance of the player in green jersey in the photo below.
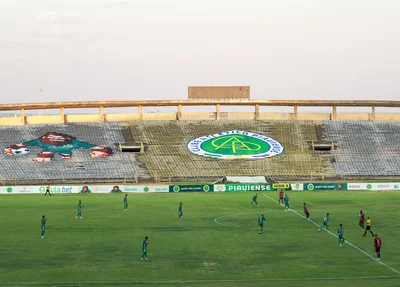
(286, 200)
(125, 202)
(325, 222)
(79, 210)
(340, 232)
(261, 220)
(145, 242)
(254, 200)
(43, 225)
(180, 213)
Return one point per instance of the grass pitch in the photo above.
(216, 244)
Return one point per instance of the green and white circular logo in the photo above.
(206, 188)
(310, 186)
(236, 145)
(9, 189)
(176, 188)
(369, 186)
(146, 189)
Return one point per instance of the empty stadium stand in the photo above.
(81, 166)
(168, 157)
(365, 148)
(362, 149)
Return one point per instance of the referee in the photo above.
(47, 190)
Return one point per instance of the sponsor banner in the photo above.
(142, 188)
(37, 189)
(157, 188)
(374, 186)
(123, 188)
(191, 188)
(359, 186)
(325, 186)
(297, 186)
(247, 187)
(219, 188)
(104, 189)
(285, 186)
(257, 187)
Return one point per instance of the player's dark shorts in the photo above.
(261, 225)
(361, 223)
(377, 250)
(368, 228)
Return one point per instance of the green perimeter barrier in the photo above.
(236, 187)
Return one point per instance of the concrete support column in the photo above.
(23, 121)
(373, 115)
(140, 111)
(179, 114)
(62, 115)
(334, 112)
(257, 112)
(218, 108)
(295, 110)
(101, 111)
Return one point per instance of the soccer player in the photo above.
(43, 224)
(281, 193)
(325, 222)
(286, 200)
(125, 202)
(145, 242)
(368, 228)
(340, 232)
(254, 200)
(79, 210)
(180, 213)
(377, 246)
(47, 190)
(361, 223)
(306, 212)
(261, 220)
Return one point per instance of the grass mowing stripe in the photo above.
(202, 281)
(216, 220)
(349, 243)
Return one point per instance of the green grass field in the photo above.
(216, 244)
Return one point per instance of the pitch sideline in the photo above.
(349, 243)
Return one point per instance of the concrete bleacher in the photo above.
(168, 157)
(22, 168)
(365, 148)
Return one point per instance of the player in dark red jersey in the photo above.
(377, 246)
(361, 220)
(281, 194)
(306, 212)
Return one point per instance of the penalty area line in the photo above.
(349, 243)
(201, 281)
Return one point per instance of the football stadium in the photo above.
(247, 194)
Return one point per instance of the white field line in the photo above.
(349, 243)
(199, 281)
